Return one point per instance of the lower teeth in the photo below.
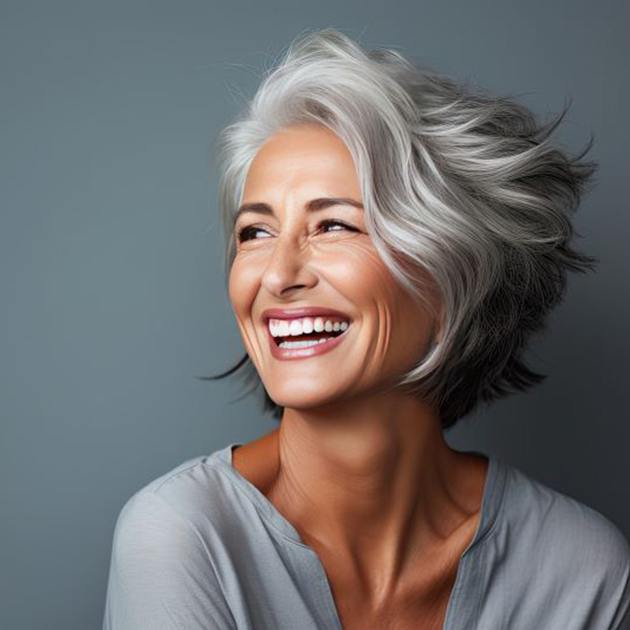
(304, 343)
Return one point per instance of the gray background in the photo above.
(111, 278)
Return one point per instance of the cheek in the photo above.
(404, 327)
(242, 285)
(355, 269)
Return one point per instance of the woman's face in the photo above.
(293, 255)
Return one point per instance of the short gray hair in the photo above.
(456, 182)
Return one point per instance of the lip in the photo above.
(304, 311)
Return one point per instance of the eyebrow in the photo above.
(312, 206)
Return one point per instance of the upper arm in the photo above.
(605, 555)
(621, 582)
(161, 576)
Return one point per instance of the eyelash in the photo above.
(243, 232)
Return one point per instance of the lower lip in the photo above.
(286, 354)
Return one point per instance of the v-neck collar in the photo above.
(493, 492)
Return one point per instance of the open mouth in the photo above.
(310, 330)
(306, 340)
(305, 337)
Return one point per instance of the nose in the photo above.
(288, 268)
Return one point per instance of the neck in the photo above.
(373, 482)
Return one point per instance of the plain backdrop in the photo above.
(112, 291)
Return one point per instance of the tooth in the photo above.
(307, 325)
(304, 325)
(295, 327)
(303, 343)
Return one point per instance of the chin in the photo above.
(303, 399)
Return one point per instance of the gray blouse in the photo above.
(202, 548)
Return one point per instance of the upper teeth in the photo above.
(304, 325)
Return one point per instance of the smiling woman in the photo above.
(393, 241)
(460, 189)
(289, 255)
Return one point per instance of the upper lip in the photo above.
(304, 311)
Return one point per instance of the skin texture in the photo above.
(360, 469)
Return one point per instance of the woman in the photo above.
(393, 241)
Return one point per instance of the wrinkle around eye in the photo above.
(243, 234)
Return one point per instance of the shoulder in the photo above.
(562, 521)
(165, 567)
(154, 523)
(565, 543)
(190, 497)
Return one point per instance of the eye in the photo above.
(329, 222)
(247, 233)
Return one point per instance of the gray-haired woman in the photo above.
(393, 241)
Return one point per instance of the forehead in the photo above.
(306, 156)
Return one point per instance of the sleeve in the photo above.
(160, 575)
(618, 584)
(622, 614)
